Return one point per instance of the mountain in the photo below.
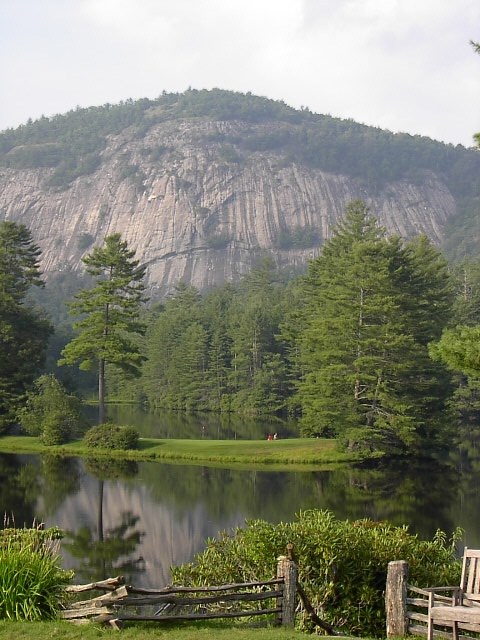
(205, 183)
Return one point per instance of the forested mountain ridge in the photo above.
(204, 184)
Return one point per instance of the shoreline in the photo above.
(304, 454)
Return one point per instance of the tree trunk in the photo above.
(101, 391)
(100, 525)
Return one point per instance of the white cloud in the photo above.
(397, 64)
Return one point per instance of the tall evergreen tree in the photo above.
(24, 331)
(165, 380)
(257, 377)
(467, 303)
(215, 312)
(360, 341)
(109, 313)
(456, 346)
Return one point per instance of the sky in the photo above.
(401, 65)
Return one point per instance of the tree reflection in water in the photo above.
(110, 552)
(122, 518)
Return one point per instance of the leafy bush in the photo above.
(342, 565)
(31, 581)
(51, 412)
(58, 427)
(111, 436)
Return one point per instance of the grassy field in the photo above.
(289, 453)
(63, 630)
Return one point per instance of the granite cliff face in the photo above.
(204, 211)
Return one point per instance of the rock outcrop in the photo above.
(199, 210)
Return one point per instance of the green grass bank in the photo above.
(295, 453)
(67, 631)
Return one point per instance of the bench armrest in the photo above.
(457, 595)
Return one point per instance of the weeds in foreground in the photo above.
(31, 580)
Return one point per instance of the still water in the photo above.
(139, 519)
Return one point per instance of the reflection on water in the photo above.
(139, 519)
(178, 424)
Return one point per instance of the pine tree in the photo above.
(362, 345)
(254, 321)
(454, 346)
(163, 373)
(109, 311)
(24, 332)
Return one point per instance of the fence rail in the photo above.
(121, 602)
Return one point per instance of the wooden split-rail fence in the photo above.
(120, 602)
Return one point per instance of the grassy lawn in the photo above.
(288, 453)
(188, 631)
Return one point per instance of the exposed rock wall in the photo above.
(202, 211)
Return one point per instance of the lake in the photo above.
(138, 519)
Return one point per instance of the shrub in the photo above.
(51, 412)
(31, 581)
(342, 565)
(111, 436)
(57, 427)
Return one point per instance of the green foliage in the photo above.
(459, 348)
(58, 428)
(34, 537)
(218, 241)
(299, 238)
(111, 436)
(19, 258)
(24, 331)
(351, 336)
(219, 352)
(358, 340)
(466, 276)
(342, 565)
(109, 310)
(51, 412)
(31, 580)
(465, 401)
(68, 143)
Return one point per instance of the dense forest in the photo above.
(346, 348)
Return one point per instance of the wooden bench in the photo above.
(463, 608)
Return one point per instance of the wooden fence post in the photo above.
(287, 569)
(396, 599)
